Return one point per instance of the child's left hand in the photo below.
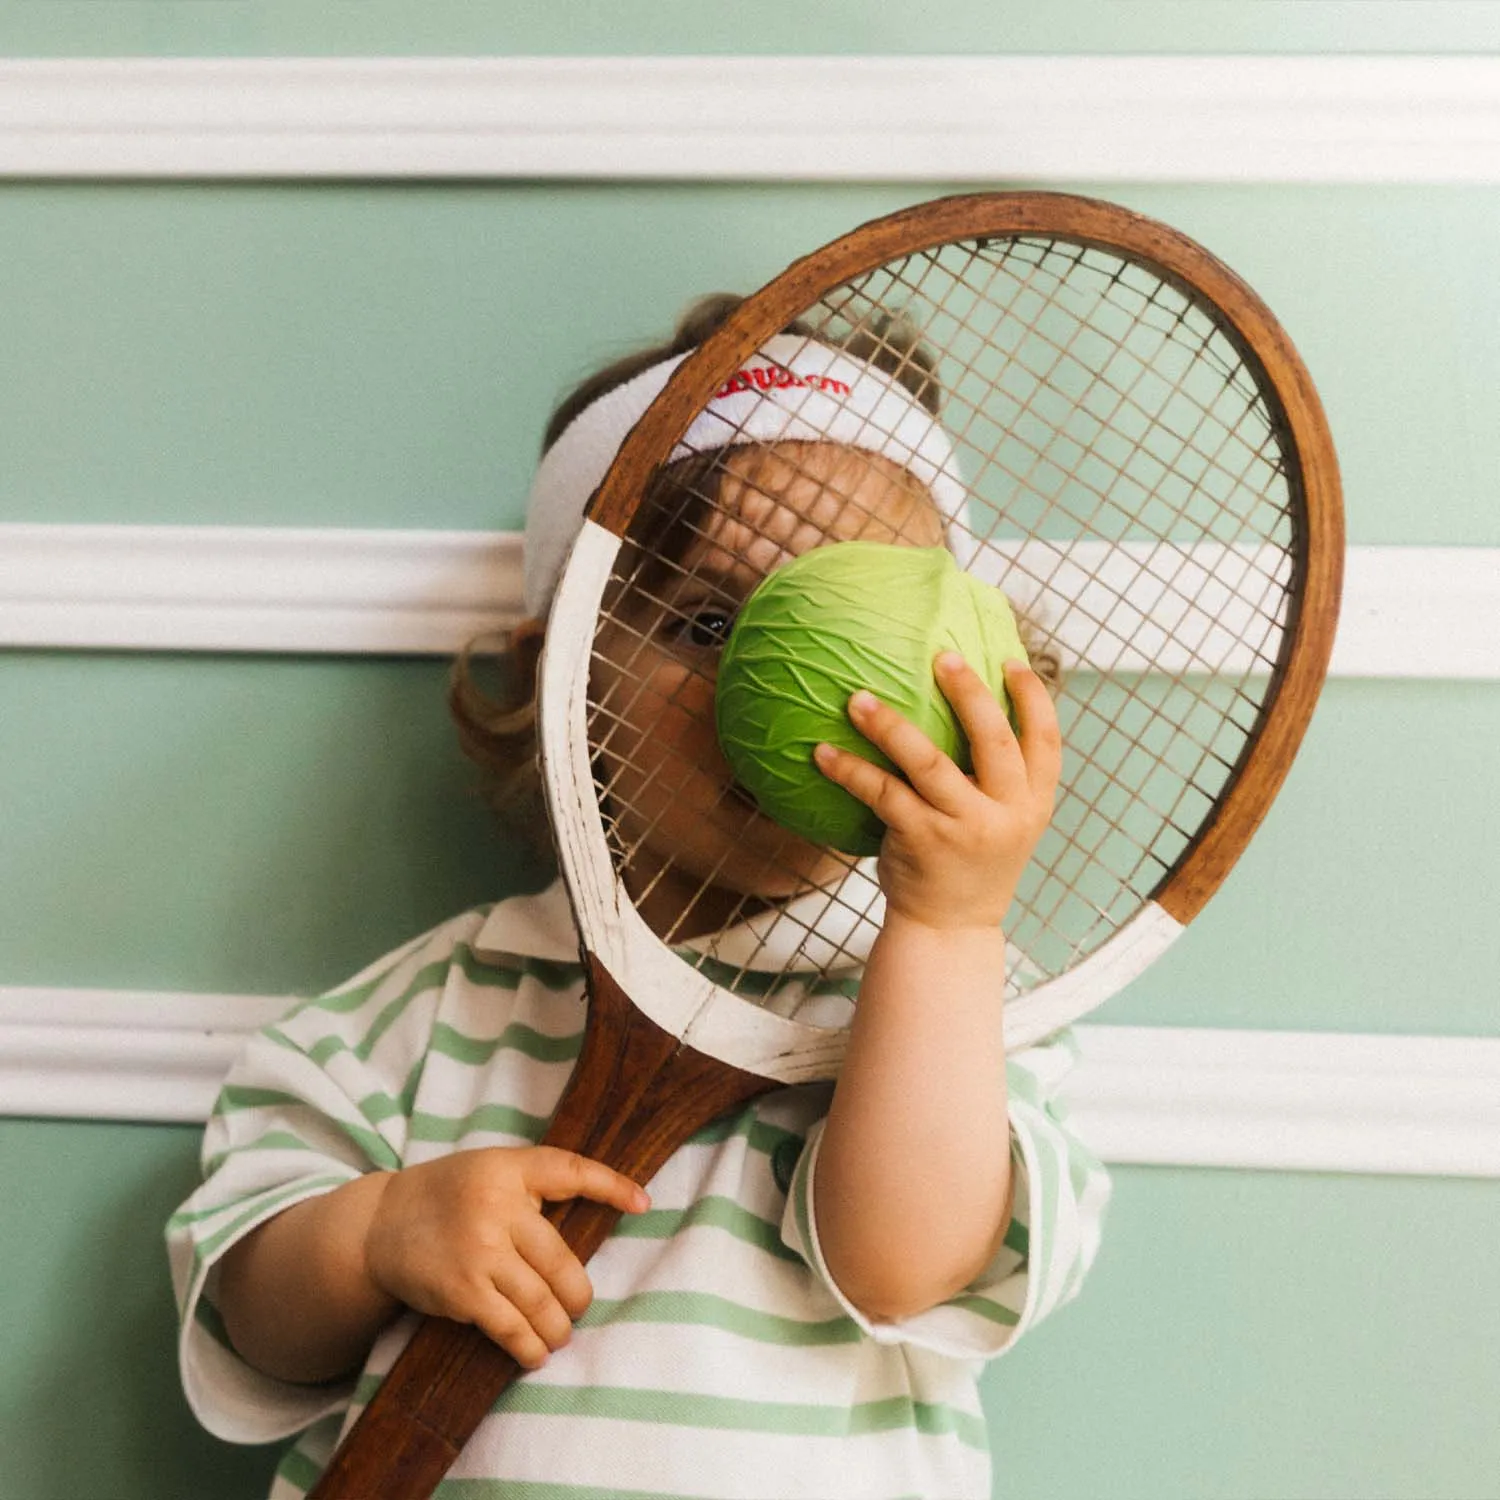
(955, 845)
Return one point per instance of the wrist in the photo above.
(957, 932)
(968, 959)
(360, 1246)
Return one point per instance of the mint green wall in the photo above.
(353, 354)
(278, 27)
(382, 355)
(264, 826)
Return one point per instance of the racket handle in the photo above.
(438, 1391)
(636, 1094)
(399, 1448)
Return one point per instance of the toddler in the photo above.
(803, 1304)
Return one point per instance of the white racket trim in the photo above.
(675, 995)
(1040, 1012)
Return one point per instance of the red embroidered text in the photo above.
(777, 377)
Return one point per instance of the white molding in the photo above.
(1017, 119)
(1407, 612)
(1166, 1096)
(231, 588)
(121, 1055)
(1419, 612)
(1290, 1101)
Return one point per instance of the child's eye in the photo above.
(706, 627)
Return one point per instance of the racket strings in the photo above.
(1178, 322)
(1201, 342)
(1186, 577)
(1099, 489)
(628, 790)
(1099, 378)
(1127, 485)
(645, 815)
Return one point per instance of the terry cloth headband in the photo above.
(793, 390)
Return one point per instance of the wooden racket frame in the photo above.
(637, 1093)
(1318, 556)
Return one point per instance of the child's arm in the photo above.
(913, 1179)
(305, 1294)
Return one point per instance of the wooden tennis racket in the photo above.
(1146, 470)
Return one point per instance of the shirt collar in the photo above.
(535, 926)
(816, 931)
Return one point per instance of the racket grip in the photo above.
(635, 1095)
(447, 1378)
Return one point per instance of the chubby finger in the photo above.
(933, 775)
(992, 744)
(554, 1260)
(553, 1174)
(501, 1321)
(526, 1290)
(887, 796)
(1039, 733)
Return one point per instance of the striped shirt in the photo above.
(719, 1359)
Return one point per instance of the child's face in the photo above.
(679, 815)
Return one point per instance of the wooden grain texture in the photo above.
(636, 1094)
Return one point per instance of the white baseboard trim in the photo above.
(1408, 611)
(1164, 1096)
(1018, 119)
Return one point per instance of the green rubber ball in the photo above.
(836, 619)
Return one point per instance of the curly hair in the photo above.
(497, 725)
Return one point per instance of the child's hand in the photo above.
(955, 845)
(464, 1237)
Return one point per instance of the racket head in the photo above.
(1146, 468)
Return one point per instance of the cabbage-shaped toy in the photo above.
(838, 618)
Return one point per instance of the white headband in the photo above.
(792, 390)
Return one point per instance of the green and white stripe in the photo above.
(718, 1359)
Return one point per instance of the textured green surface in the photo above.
(837, 619)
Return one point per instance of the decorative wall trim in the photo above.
(1290, 1101)
(1093, 119)
(232, 588)
(121, 1055)
(1167, 1096)
(1408, 611)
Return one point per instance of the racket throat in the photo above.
(637, 1091)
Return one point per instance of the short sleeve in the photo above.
(315, 1100)
(1061, 1192)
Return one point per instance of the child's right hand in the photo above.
(463, 1237)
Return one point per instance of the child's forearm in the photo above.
(913, 1180)
(295, 1295)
